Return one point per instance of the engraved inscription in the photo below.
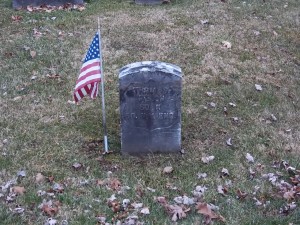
(151, 102)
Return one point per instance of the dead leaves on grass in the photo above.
(51, 8)
(205, 210)
(176, 212)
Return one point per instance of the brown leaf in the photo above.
(222, 190)
(176, 211)
(51, 179)
(33, 54)
(57, 203)
(139, 191)
(162, 200)
(114, 205)
(204, 209)
(50, 211)
(100, 182)
(81, 8)
(18, 190)
(39, 178)
(295, 180)
(241, 194)
(16, 18)
(115, 184)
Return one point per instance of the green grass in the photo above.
(48, 135)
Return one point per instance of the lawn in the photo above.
(241, 94)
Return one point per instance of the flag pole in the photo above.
(102, 91)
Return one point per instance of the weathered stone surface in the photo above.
(24, 3)
(148, 2)
(150, 107)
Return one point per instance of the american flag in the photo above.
(90, 73)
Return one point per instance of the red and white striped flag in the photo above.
(90, 73)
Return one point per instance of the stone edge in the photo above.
(150, 66)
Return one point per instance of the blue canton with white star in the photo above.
(93, 52)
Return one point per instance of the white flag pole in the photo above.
(102, 91)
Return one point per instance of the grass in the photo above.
(45, 134)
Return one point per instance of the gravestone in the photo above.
(24, 3)
(150, 108)
(148, 2)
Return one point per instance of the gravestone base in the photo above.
(24, 3)
(150, 108)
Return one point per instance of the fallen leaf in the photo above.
(29, 8)
(81, 8)
(199, 191)
(16, 18)
(145, 211)
(18, 210)
(18, 190)
(125, 203)
(212, 105)
(51, 221)
(21, 173)
(50, 211)
(115, 184)
(161, 199)
(168, 169)
(50, 179)
(228, 142)
(17, 99)
(176, 212)
(232, 104)
(33, 54)
(77, 165)
(256, 32)
(115, 206)
(33, 77)
(273, 117)
(201, 175)
(207, 159)
(39, 178)
(249, 158)
(101, 219)
(137, 205)
(241, 194)
(151, 189)
(258, 87)
(289, 195)
(257, 202)
(224, 172)
(222, 190)
(235, 119)
(292, 205)
(204, 209)
(58, 188)
(226, 44)
(204, 22)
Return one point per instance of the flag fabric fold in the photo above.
(90, 72)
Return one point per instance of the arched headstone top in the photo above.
(138, 67)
